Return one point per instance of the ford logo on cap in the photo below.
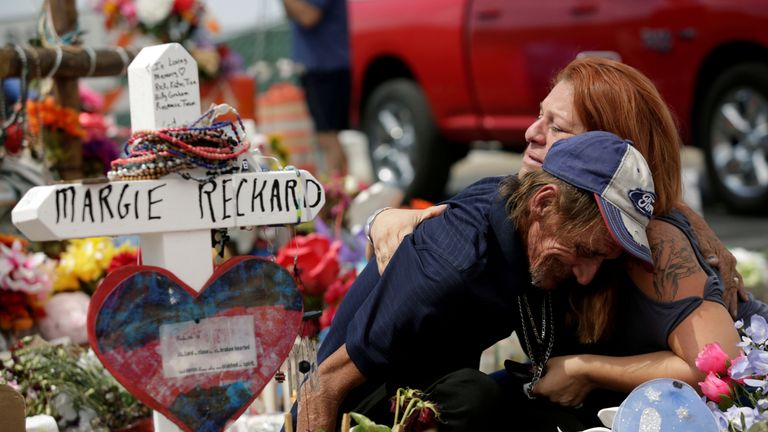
(643, 201)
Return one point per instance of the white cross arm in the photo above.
(169, 204)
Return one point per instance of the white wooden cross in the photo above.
(173, 216)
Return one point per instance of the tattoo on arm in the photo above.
(674, 261)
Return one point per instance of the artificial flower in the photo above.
(714, 388)
(757, 330)
(326, 319)
(740, 368)
(181, 6)
(85, 262)
(737, 398)
(316, 262)
(153, 12)
(758, 359)
(20, 271)
(713, 359)
(753, 268)
(128, 256)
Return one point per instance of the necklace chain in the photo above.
(538, 362)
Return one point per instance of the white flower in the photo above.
(153, 12)
(752, 266)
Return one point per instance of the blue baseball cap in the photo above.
(611, 168)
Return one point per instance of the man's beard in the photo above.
(549, 274)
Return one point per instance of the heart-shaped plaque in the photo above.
(198, 358)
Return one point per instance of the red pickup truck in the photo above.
(431, 76)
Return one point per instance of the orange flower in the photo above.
(212, 25)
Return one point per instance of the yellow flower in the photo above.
(84, 261)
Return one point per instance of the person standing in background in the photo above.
(320, 44)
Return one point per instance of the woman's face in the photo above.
(557, 120)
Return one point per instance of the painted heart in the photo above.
(198, 358)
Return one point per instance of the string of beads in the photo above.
(206, 143)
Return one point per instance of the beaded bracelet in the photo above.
(214, 146)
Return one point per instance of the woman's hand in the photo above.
(391, 226)
(564, 382)
(719, 257)
(724, 262)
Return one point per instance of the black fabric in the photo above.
(327, 95)
(468, 400)
(534, 415)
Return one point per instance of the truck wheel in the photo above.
(405, 146)
(733, 132)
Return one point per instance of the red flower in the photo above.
(124, 258)
(427, 419)
(14, 136)
(181, 6)
(327, 317)
(310, 328)
(339, 288)
(317, 261)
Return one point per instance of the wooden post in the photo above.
(76, 62)
(70, 167)
(173, 216)
(12, 407)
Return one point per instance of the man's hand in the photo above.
(563, 382)
(318, 408)
(391, 226)
(317, 411)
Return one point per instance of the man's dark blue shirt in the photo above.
(449, 292)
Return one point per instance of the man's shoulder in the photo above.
(483, 188)
(461, 234)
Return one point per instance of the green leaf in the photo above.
(725, 402)
(364, 424)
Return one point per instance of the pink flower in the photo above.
(714, 388)
(713, 359)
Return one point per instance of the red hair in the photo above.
(614, 97)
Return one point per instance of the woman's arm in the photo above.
(719, 257)
(569, 379)
(389, 228)
(677, 275)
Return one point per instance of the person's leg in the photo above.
(532, 415)
(328, 96)
(468, 400)
(333, 153)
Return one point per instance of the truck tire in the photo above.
(732, 129)
(405, 146)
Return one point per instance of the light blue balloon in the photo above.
(664, 405)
